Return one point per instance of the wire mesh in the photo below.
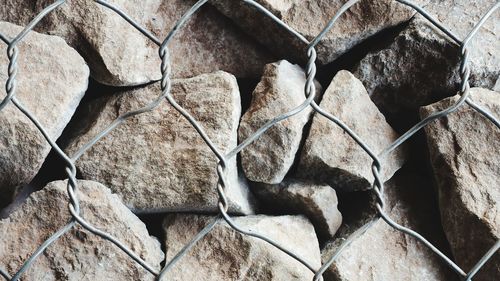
(310, 91)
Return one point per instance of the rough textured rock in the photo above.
(120, 55)
(464, 153)
(157, 161)
(331, 155)
(225, 254)
(51, 81)
(309, 18)
(280, 90)
(79, 254)
(421, 65)
(383, 253)
(317, 202)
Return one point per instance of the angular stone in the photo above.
(156, 161)
(331, 155)
(79, 254)
(464, 152)
(382, 252)
(317, 202)
(421, 65)
(120, 55)
(309, 18)
(225, 254)
(51, 81)
(280, 90)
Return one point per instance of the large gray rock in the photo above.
(309, 18)
(331, 155)
(225, 254)
(317, 202)
(464, 152)
(156, 161)
(51, 81)
(280, 90)
(120, 55)
(421, 65)
(79, 254)
(382, 252)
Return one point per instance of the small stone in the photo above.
(317, 202)
(157, 161)
(280, 90)
(119, 55)
(225, 254)
(421, 66)
(464, 151)
(331, 155)
(50, 82)
(79, 254)
(382, 252)
(309, 17)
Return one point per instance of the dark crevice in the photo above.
(246, 86)
(154, 225)
(421, 163)
(292, 172)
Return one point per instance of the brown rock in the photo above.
(280, 90)
(382, 252)
(464, 153)
(309, 18)
(79, 254)
(421, 65)
(157, 161)
(225, 254)
(317, 202)
(120, 55)
(331, 155)
(51, 81)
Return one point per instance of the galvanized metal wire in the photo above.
(309, 90)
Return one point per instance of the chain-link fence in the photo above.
(310, 91)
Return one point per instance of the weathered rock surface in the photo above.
(225, 254)
(120, 55)
(51, 81)
(280, 90)
(383, 253)
(317, 202)
(208, 42)
(421, 65)
(331, 155)
(79, 254)
(157, 161)
(309, 18)
(464, 153)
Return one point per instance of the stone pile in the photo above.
(153, 183)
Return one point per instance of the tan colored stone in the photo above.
(464, 152)
(50, 82)
(309, 17)
(331, 155)
(421, 65)
(280, 90)
(120, 55)
(225, 254)
(157, 161)
(317, 202)
(382, 252)
(78, 254)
